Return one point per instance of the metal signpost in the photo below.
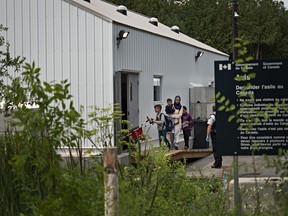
(237, 197)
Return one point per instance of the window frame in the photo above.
(158, 95)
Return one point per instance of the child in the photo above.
(160, 121)
(186, 126)
(169, 109)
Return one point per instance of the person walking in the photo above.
(177, 117)
(169, 109)
(211, 130)
(187, 124)
(160, 121)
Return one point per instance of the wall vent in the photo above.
(153, 21)
(175, 29)
(122, 9)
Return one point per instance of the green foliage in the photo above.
(34, 164)
(155, 186)
(7, 62)
(280, 188)
(76, 194)
(262, 23)
(103, 120)
(34, 179)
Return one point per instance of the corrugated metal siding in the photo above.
(66, 42)
(140, 22)
(155, 55)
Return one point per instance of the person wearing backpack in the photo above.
(211, 130)
(161, 124)
(187, 124)
(169, 110)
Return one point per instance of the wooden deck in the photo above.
(194, 153)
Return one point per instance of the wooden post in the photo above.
(111, 188)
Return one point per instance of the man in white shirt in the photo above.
(211, 130)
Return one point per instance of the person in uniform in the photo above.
(211, 130)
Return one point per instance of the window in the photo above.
(157, 88)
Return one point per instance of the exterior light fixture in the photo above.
(198, 55)
(122, 35)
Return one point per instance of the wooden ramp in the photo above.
(194, 153)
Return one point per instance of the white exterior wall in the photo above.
(66, 42)
(155, 55)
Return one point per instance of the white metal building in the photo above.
(77, 40)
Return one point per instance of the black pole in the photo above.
(237, 198)
(235, 29)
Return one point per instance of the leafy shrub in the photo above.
(156, 186)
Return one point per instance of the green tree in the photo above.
(264, 24)
(208, 22)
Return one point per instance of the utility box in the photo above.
(200, 129)
(201, 103)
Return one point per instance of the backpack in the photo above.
(168, 123)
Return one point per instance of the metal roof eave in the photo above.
(203, 46)
(109, 12)
(87, 7)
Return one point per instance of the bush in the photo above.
(156, 186)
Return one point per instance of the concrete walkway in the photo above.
(203, 167)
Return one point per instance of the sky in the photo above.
(285, 3)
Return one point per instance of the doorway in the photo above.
(127, 95)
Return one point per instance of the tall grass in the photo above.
(10, 197)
